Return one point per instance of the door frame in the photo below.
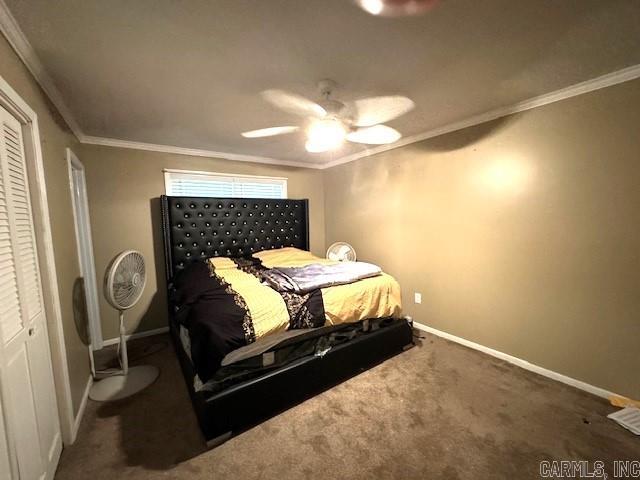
(13, 102)
(90, 282)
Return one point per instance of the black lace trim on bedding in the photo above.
(247, 323)
(305, 311)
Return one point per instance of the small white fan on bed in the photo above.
(341, 252)
(124, 282)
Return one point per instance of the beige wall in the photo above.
(522, 234)
(55, 138)
(124, 186)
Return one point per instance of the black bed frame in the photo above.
(199, 228)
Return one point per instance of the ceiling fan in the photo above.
(331, 122)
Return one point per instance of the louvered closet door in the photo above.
(29, 404)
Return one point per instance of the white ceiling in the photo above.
(188, 74)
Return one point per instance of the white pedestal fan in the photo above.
(124, 282)
(341, 252)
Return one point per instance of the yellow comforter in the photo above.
(373, 297)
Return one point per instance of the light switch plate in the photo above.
(417, 297)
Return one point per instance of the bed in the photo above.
(248, 350)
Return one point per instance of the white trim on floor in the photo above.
(600, 392)
(133, 336)
(80, 414)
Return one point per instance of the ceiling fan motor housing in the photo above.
(332, 107)
(327, 86)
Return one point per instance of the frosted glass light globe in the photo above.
(324, 135)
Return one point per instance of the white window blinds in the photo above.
(205, 184)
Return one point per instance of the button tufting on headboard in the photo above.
(197, 228)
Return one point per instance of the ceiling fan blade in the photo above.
(374, 110)
(376, 135)
(269, 132)
(292, 103)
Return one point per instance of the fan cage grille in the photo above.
(343, 250)
(125, 280)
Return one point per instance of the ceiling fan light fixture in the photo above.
(396, 8)
(325, 134)
(374, 7)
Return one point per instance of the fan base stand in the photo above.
(122, 386)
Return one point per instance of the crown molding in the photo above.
(9, 27)
(18, 41)
(608, 80)
(194, 152)
(16, 38)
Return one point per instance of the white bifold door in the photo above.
(30, 441)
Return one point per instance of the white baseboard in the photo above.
(80, 414)
(600, 392)
(133, 336)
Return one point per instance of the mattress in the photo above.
(272, 352)
(227, 315)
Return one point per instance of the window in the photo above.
(185, 183)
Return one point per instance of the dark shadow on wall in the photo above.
(456, 139)
(80, 311)
(466, 137)
(156, 315)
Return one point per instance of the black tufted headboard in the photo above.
(195, 228)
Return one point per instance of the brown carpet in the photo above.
(439, 410)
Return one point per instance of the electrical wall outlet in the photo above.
(417, 297)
